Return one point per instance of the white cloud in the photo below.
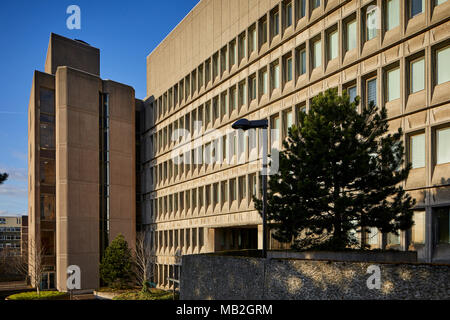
(13, 191)
(18, 174)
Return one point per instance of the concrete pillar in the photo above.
(429, 245)
(260, 236)
(211, 243)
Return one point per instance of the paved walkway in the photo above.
(13, 285)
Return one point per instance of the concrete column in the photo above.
(211, 243)
(260, 236)
(429, 245)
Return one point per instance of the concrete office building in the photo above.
(267, 59)
(228, 59)
(81, 163)
(10, 235)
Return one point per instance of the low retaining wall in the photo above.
(216, 277)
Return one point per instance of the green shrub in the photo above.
(44, 295)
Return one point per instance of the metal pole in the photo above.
(264, 191)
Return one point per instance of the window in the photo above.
(442, 63)
(417, 76)
(215, 65)
(207, 113)
(301, 61)
(418, 229)
(393, 239)
(288, 68)
(207, 71)
(252, 87)
(224, 104)
(215, 194)
(242, 46)
(301, 7)
(224, 192)
(47, 136)
(232, 53)
(438, 2)
(393, 84)
(315, 4)
(352, 93)
(47, 101)
(287, 122)
(224, 149)
(242, 188)
(275, 132)
(264, 81)
(317, 53)
(392, 14)
(275, 23)
(233, 98)
(416, 7)
(372, 91)
(333, 45)
(288, 13)
(208, 196)
(417, 150)
(186, 90)
(263, 30)
(443, 145)
(48, 207)
(194, 82)
(443, 224)
(242, 93)
(350, 35)
(181, 85)
(371, 23)
(200, 197)
(223, 60)
(232, 190)
(252, 39)
(275, 75)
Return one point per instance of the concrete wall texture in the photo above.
(206, 277)
(210, 58)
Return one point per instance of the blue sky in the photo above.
(124, 31)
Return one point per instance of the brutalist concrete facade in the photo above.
(267, 59)
(81, 163)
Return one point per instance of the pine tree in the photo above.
(116, 265)
(341, 171)
(3, 177)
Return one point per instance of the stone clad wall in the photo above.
(242, 278)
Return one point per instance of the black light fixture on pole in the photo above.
(245, 124)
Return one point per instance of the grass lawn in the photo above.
(44, 295)
(153, 294)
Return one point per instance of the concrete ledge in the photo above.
(352, 256)
(105, 295)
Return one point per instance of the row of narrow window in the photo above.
(229, 102)
(221, 195)
(240, 48)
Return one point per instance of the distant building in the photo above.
(10, 234)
